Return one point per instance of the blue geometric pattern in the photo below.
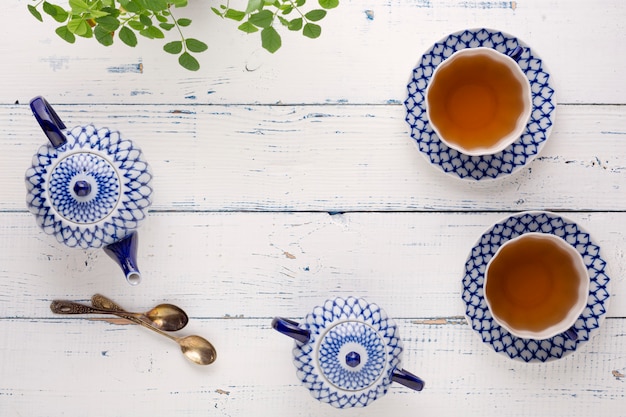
(103, 183)
(478, 314)
(351, 340)
(340, 331)
(117, 180)
(518, 154)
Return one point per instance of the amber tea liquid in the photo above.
(475, 101)
(532, 284)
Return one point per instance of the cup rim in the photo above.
(522, 121)
(577, 308)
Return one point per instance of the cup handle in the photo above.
(408, 379)
(516, 53)
(290, 328)
(571, 334)
(50, 122)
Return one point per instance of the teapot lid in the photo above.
(351, 354)
(90, 190)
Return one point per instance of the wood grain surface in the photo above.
(285, 179)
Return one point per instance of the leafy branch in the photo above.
(262, 14)
(102, 19)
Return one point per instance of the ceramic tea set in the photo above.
(347, 352)
(90, 188)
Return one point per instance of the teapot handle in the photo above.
(290, 328)
(50, 122)
(408, 379)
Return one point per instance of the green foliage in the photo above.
(151, 19)
(263, 14)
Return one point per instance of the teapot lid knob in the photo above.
(50, 122)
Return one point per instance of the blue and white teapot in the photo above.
(89, 187)
(347, 352)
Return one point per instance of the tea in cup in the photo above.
(536, 286)
(478, 101)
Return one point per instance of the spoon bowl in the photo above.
(197, 349)
(166, 317)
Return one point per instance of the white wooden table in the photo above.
(283, 180)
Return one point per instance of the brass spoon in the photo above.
(197, 349)
(166, 317)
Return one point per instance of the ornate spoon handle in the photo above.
(100, 301)
(69, 307)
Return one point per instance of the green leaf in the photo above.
(94, 14)
(188, 62)
(311, 30)
(108, 23)
(183, 22)
(166, 26)
(295, 24)
(145, 19)
(194, 45)
(247, 27)
(300, 3)
(237, 15)
(217, 12)
(79, 6)
(111, 11)
(286, 9)
(328, 4)
(65, 34)
(270, 39)
(33, 10)
(174, 47)
(136, 25)
(152, 32)
(78, 26)
(179, 3)
(262, 19)
(155, 5)
(161, 18)
(131, 6)
(58, 13)
(103, 36)
(128, 36)
(315, 15)
(254, 5)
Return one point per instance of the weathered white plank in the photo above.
(333, 158)
(265, 264)
(51, 367)
(365, 54)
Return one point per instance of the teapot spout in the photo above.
(124, 252)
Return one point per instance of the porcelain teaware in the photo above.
(347, 352)
(544, 278)
(479, 100)
(89, 187)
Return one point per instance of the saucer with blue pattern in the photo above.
(477, 312)
(485, 167)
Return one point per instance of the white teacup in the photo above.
(478, 101)
(536, 286)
